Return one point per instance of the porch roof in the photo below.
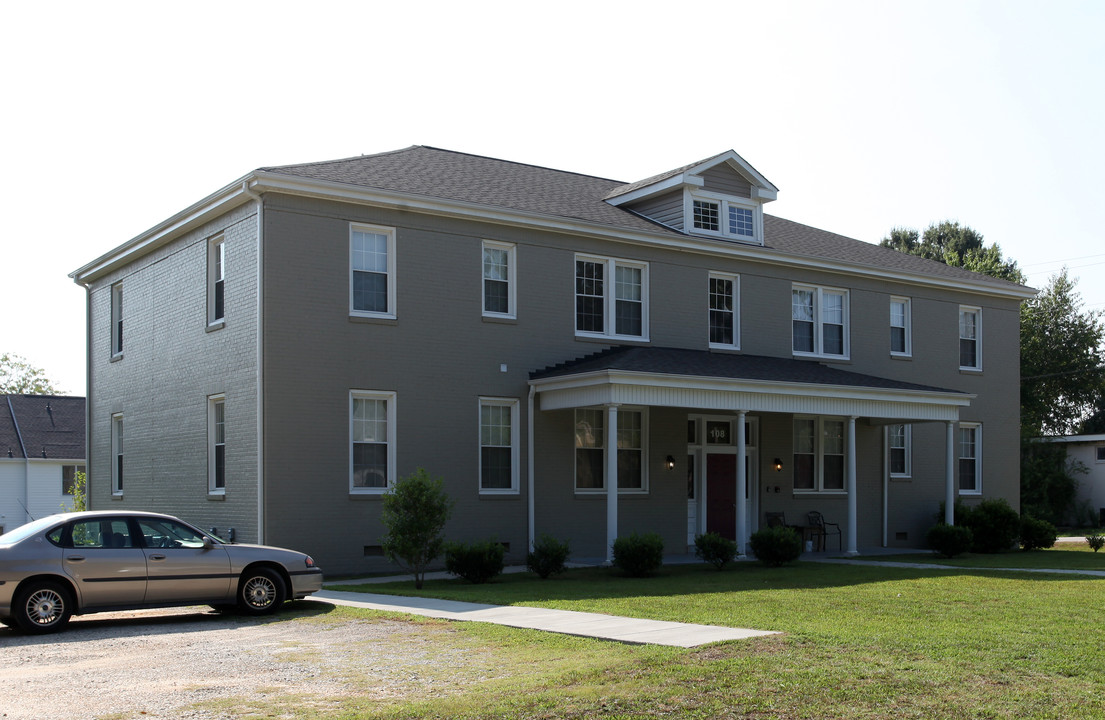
(704, 380)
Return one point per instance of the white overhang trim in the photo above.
(672, 183)
(713, 393)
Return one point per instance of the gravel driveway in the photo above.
(196, 663)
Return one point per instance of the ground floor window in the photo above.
(900, 450)
(498, 445)
(69, 478)
(372, 446)
(970, 458)
(818, 455)
(590, 449)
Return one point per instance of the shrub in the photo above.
(639, 555)
(477, 563)
(950, 540)
(1095, 541)
(776, 546)
(996, 526)
(715, 549)
(414, 512)
(547, 557)
(1036, 534)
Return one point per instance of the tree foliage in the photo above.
(414, 512)
(19, 377)
(956, 245)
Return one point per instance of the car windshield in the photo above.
(25, 531)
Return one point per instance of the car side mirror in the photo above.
(208, 543)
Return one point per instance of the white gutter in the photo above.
(260, 358)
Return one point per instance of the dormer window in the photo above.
(727, 217)
(706, 215)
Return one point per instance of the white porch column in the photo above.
(611, 481)
(742, 485)
(851, 483)
(949, 477)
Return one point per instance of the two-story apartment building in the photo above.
(574, 355)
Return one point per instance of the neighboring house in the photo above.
(575, 356)
(1089, 451)
(41, 450)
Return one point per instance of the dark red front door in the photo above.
(721, 495)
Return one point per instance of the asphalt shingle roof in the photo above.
(50, 423)
(444, 174)
(702, 363)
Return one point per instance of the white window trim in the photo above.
(736, 280)
(512, 294)
(609, 297)
(908, 352)
(819, 455)
(724, 202)
(977, 427)
(391, 313)
(643, 490)
(216, 262)
(908, 452)
(212, 401)
(390, 398)
(116, 452)
(977, 367)
(116, 319)
(819, 292)
(515, 452)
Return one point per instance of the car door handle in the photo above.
(75, 558)
(157, 557)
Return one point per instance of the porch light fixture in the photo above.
(778, 465)
(671, 463)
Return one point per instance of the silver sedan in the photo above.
(87, 562)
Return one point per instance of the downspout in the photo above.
(885, 484)
(260, 367)
(87, 395)
(26, 461)
(529, 468)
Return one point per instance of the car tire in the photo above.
(42, 607)
(261, 591)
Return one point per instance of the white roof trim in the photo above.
(1074, 439)
(672, 183)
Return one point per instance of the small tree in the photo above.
(415, 512)
(80, 491)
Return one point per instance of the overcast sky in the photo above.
(865, 115)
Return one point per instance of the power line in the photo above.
(1049, 262)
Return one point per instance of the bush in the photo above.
(715, 549)
(996, 526)
(1095, 541)
(414, 512)
(477, 563)
(547, 557)
(950, 540)
(639, 555)
(1036, 534)
(776, 546)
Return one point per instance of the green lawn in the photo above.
(1067, 556)
(859, 642)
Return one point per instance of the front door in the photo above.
(721, 494)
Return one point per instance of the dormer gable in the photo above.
(721, 197)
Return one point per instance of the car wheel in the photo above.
(261, 591)
(42, 607)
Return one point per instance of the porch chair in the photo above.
(822, 528)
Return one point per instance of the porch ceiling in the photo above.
(703, 380)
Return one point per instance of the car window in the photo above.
(161, 533)
(101, 533)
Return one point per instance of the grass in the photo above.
(1067, 556)
(860, 642)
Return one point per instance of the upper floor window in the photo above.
(117, 454)
(590, 446)
(498, 279)
(611, 298)
(901, 342)
(970, 458)
(216, 269)
(900, 441)
(372, 271)
(818, 445)
(117, 319)
(724, 311)
(819, 320)
(727, 217)
(372, 441)
(216, 438)
(970, 338)
(498, 445)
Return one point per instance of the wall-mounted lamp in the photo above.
(778, 465)
(671, 463)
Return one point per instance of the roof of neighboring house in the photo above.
(703, 363)
(445, 174)
(37, 424)
(1074, 439)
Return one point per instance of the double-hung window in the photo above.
(724, 311)
(117, 454)
(1099, 455)
(69, 478)
(371, 271)
(371, 441)
(819, 321)
(900, 450)
(726, 217)
(216, 278)
(901, 342)
(590, 448)
(216, 444)
(117, 319)
(611, 298)
(498, 445)
(970, 338)
(819, 455)
(498, 280)
(970, 459)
